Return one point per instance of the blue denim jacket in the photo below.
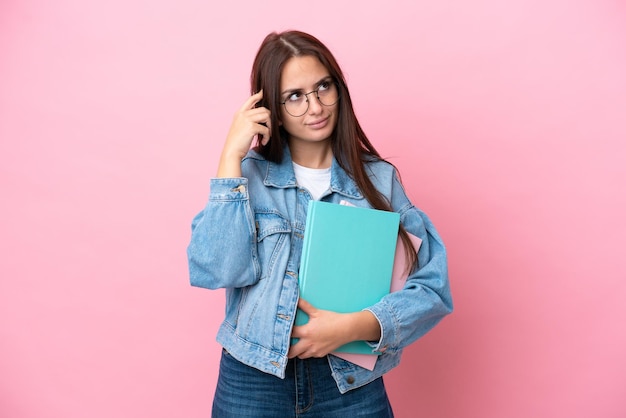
(248, 240)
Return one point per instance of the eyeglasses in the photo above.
(297, 103)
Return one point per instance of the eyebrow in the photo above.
(321, 81)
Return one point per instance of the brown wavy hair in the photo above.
(351, 147)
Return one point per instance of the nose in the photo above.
(314, 103)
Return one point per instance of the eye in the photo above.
(325, 85)
(295, 97)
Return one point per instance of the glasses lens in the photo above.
(297, 107)
(298, 104)
(328, 94)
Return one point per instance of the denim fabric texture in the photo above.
(308, 391)
(248, 240)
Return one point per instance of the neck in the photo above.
(311, 154)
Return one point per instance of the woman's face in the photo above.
(302, 75)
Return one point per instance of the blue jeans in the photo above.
(308, 390)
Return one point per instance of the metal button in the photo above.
(350, 380)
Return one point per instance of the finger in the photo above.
(295, 332)
(261, 117)
(264, 130)
(252, 101)
(306, 306)
(295, 350)
(258, 114)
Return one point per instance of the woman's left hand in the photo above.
(327, 330)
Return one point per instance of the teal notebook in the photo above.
(347, 260)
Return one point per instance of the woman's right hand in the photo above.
(248, 122)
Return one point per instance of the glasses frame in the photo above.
(317, 95)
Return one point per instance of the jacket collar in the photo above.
(281, 175)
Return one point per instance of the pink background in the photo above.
(506, 119)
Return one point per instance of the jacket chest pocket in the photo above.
(272, 235)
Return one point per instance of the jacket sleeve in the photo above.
(408, 314)
(222, 251)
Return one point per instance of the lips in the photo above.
(319, 124)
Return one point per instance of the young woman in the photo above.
(248, 240)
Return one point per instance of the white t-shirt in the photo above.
(315, 180)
